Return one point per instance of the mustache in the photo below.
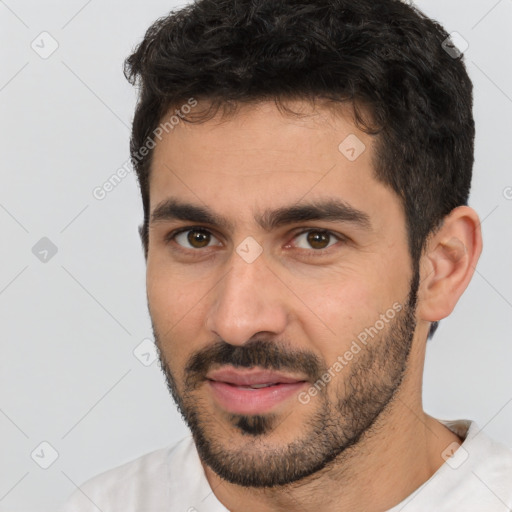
(262, 353)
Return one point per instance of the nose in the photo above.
(248, 301)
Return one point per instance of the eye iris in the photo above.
(318, 239)
(198, 238)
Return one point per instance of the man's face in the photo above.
(322, 297)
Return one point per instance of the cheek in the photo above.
(345, 305)
(340, 310)
(331, 309)
(175, 305)
(169, 289)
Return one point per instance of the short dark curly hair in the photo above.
(384, 58)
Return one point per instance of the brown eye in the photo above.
(194, 238)
(318, 239)
(198, 238)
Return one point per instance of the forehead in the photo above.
(260, 158)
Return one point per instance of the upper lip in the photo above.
(251, 377)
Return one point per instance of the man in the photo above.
(305, 169)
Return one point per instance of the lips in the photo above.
(252, 391)
(252, 378)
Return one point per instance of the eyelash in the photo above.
(312, 252)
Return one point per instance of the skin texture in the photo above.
(362, 443)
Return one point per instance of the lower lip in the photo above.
(252, 401)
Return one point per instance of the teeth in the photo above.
(256, 386)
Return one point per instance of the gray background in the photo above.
(70, 324)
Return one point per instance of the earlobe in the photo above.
(449, 263)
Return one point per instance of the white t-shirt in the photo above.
(477, 478)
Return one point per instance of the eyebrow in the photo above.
(331, 210)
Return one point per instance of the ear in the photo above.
(448, 263)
